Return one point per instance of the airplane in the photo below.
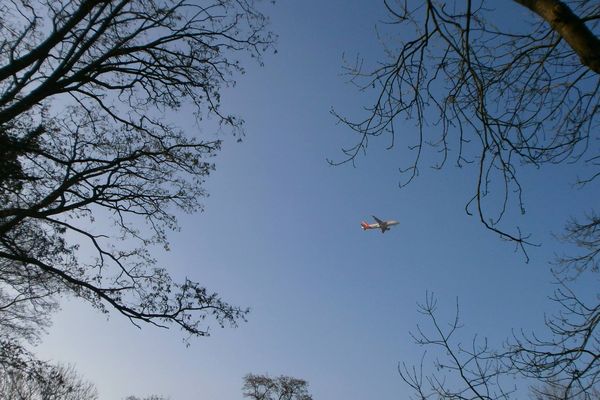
(383, 225)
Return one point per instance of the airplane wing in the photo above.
(378, 220)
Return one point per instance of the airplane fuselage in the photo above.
(384, 225)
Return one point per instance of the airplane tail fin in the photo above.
(364, 225)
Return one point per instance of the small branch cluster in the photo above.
(475, 372)
(561, 363)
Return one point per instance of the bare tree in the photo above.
(45, 382)
(555, 391)
(562, 362)
(585, 236)
(459, 372)
(492, 96)
(568, 354)
(263, 387)
(495, 97)
(92, 170)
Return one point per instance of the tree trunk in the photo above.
(570, 27)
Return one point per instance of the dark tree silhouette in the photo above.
(263, 387)
(459, 372)
(91, 169)
(496, 96)
(488, 93)
(568, 354)
(562, 363)
(44, 381)
(555, 391)
(586, 237)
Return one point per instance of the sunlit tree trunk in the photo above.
(570, 27)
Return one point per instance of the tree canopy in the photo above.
(93, 169)
(264, 387)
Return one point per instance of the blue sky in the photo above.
(280, 233)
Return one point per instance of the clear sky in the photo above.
(280, 233)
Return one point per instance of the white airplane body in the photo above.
(383, 225)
